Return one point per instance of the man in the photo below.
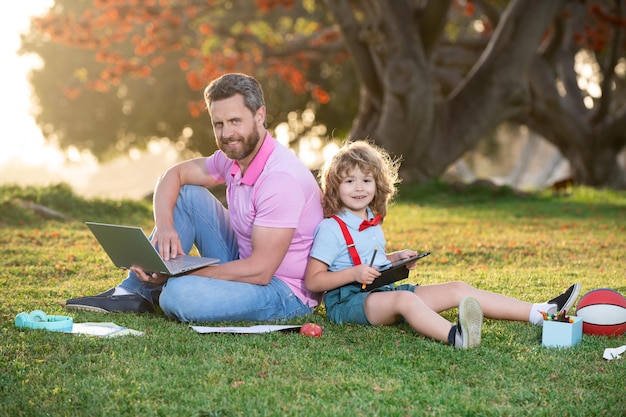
(262, 240)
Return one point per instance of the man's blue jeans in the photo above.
(201, 220)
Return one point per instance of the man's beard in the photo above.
(248, 144)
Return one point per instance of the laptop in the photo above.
(128, 246)
(394, 272)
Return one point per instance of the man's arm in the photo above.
(269, 246)
(165, 194)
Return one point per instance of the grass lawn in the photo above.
(530, 248)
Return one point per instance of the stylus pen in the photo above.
(371, 264)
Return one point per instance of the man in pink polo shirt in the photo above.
(262, 240)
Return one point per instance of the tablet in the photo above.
(396, 272)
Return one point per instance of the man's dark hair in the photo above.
(229, 85)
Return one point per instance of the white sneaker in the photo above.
(470, 323)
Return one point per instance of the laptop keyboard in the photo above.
(177, 263)
(184, 263)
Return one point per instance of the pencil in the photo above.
(371, 264)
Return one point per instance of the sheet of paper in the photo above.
(261, 328)
(103, 330)
(615, 353)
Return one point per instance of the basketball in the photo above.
(603, 312)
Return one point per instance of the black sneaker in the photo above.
(565, 301)
(470, 324)
(106, 302)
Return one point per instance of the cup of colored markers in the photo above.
(560, 316)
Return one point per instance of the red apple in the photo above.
(311, 330)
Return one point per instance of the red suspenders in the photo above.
(356, 260)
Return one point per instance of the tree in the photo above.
(435, 76)
(119, 73)
(525, 69)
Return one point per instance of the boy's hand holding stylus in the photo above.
(365, 274)
(364, 283)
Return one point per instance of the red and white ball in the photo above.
(603, 312)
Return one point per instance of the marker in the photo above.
(371, 264)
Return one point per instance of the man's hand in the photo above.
(153, 278)
(166, 240)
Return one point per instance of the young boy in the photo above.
(357, 184)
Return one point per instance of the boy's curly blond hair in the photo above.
(370, 159)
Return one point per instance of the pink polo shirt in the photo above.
(279, 191)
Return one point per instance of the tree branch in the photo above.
(431, 21)
(496, 88)
(350, 29)
(564, 61)
(608, 71)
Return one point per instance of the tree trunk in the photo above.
(520, 76)
(399, 108)
(589, 138)
(596, 168)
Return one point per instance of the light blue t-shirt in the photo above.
(330, 247)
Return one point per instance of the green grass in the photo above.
(530, 248)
